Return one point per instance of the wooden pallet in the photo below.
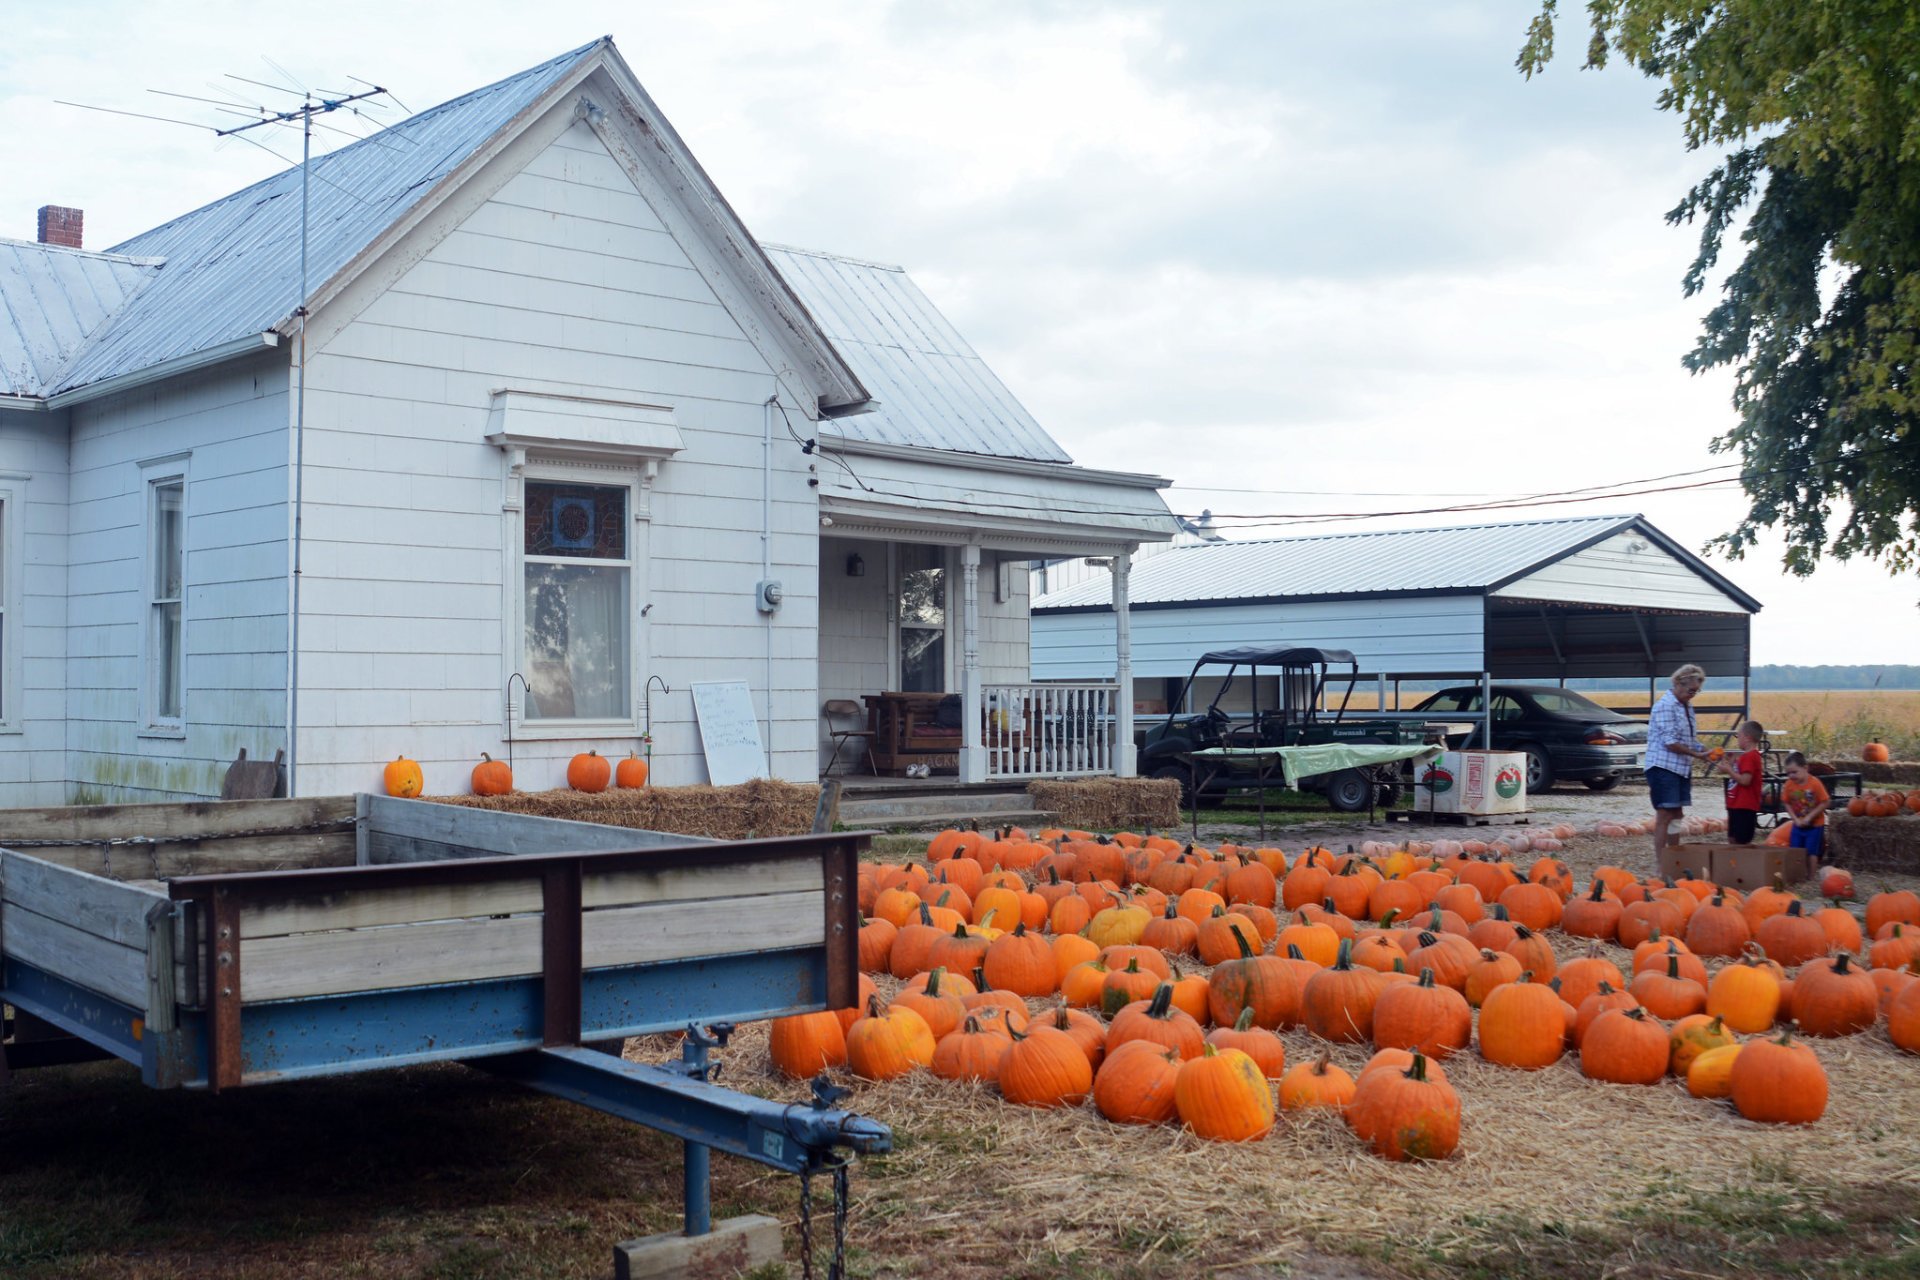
(1459, 819)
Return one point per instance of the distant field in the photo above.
(1831, 723)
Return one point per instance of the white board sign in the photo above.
(729, 732)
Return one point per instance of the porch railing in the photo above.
(1050, 730)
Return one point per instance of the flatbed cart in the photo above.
(225, 945)
(1258, 768)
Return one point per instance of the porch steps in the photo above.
(937, 805)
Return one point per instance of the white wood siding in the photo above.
(1416, 633)
(233, 420)
(566, 281)
(33, 468)
(1609, 572)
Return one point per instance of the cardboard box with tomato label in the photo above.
(1477, 783)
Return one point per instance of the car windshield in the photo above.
(1567, 702)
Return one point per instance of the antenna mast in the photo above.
(311, 106)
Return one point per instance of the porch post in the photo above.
(973, 756)
(1125, 764)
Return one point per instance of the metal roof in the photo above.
(931, 389)
(52, 299)
(233, 267)
(1467, 558)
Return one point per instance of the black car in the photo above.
(1567, 737)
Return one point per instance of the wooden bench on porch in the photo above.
(905, 732)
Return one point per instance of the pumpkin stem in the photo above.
(873, 1005)
(1133, 964)
(971, 1026)
(1295, 953)
(980, 978)
(1417, 1069)
(1386, 921)
(926, 916)
(1426, 978)
(1426, 938)
(1599, 893)
(933, 981)
(1207, 1050)
(1162, 1000)
(1246, 952)
(1344, 961)
(1245, 1020)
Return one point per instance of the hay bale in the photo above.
(762, 807)
(1896, 773)
(1110, 804)
(1875, 844)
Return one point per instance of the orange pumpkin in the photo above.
(491, 777)
(631, 772)
(589, 771)
(403, 778)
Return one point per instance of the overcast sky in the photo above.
(1335, 253)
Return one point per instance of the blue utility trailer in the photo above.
(230, 944)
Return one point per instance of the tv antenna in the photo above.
(313, 103)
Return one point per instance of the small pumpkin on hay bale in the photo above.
(1110, 804)
(761, 807)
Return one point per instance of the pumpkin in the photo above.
(491, 777)
(1747, 995)
(589, 771)
(888, 1043)
(1045, 1068)
(1157, 1020)
(1534, 952)
(1423, 1016)
(1524, 1025)
(1766, 902)
(1224, 935)
(1691, 966)
(1837, 882)
(1834, 997)
(1171, 933)
(1534, 905)
(1493, 931)
(806, 1044)
(1319, 943)
(1265, 984)
(1839, 926)
(1597, 915)
(403, 778)
(1070, 949)
(1875, 752)
(1791, 938)
(1902, 907)
(1903, 1018)
(960, 951)
(1135, 1084)
(630, 773)
(1316, 1084)
(1602, 1001)
(1668, 994)
(971, 1052)
(1405, 1115)
(1122, 987)
(1266, 1049)
(1779, 1082)
(1448, 955)
(1337, 1003)
(1492, 969)
(1692, 1036)
(1221, 1095)
(1898, 949)
(1711, 1074)
(876, 943)
(1625, 1046)
(938, 1005)
(1717, 928)
(1117, 926)
(1022, 963)
(1087, 1031)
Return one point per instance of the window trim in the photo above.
(12, 493)
(636, 478)
(154, 474)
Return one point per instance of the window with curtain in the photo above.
(923, 619)
(166, 559)
(578, 579)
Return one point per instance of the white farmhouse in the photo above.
(554, 422)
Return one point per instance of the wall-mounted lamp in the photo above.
(856, 566)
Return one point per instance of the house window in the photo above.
(923, 619)
(166, 590)
(576, 604)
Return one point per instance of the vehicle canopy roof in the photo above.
(1277, 656)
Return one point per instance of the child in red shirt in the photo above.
(1805, 797)
(1743, 768)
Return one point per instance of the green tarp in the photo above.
(1329, 757)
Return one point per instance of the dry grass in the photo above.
(762, 807)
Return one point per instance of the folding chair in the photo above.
(846, 720)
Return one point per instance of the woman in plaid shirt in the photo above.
(1673, 744)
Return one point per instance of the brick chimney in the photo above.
(60, 225)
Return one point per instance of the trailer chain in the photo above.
(837, 1269)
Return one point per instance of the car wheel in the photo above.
(1349, 790)
(1603, 784)
(1180, 774)
(1539, 769)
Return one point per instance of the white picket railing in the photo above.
(1050, 730)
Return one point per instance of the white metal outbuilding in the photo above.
(1590, 597)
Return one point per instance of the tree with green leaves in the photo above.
(1816, 107)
